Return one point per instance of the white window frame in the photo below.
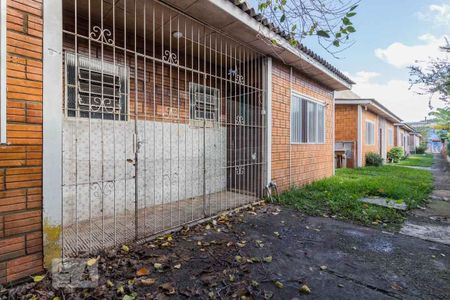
(368, 142)
(318, 102)
(390, 137)
(199, 122)
(3, 91)
(96, 65)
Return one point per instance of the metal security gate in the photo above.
(163, 122)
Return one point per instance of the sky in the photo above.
(391, 35)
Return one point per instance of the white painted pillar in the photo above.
(360, 137)
(52, 124)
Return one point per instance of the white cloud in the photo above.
(394, 94)
(438, 14)
(400, 55)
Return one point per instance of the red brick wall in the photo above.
(21, 158)
(346, 128)
(298, 164)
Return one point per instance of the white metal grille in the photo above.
(164, 122)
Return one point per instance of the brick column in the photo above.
(21, 158)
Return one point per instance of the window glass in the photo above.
(307, 121)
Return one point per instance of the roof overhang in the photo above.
(234, 22)
(373, 106)
(406, 127)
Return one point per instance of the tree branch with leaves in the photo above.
(434, 78)
(329, 20)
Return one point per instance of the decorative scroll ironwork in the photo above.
(237, 77)
(102, 189)
(239, 120)
(102, 35)
(240, 170)
(98, 104)
(170, 57)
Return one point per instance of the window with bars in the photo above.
(307, 121)
(370, 133)
(95, 88)
(390, 137)
(204, 102)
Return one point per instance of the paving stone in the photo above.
(400, 205)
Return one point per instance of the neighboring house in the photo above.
(415, 139)
(123, 119)
(362, 126)
(403, 131)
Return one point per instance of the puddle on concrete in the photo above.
(428, 232)
(355, 233)
(400, 205)
(381, 246)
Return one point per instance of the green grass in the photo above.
(418, 160)
(338, 195)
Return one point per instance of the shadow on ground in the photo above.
(268, 252)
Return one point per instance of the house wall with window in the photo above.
(21, 155)
(298, 158)
(370, 134)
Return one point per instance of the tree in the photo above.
(441, 118)
(328, 20)
(433, 79)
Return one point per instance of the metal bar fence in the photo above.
(163, 122)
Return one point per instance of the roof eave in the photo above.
(290, 55)
(372, 105)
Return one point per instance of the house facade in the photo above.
(362, 126)
(122, 120)
(404, 137)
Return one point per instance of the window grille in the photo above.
(204, 102)
(307, 121)
(95, 89)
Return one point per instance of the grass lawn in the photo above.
(418, 160)
(338, 195)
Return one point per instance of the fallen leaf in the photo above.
(168, 288)
(267, 259)
(109, 283)
(255, 283)
(91, 262)
(177, 266)
(142, 272)
(279, 285)
(148, 281)
(120, 290)
(157, 266)
(237, 258)
(125, 248)
(165, 244)
(130, 297)
(38, 278)
(304, 289)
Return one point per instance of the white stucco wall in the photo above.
(170, 165)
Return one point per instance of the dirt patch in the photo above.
(261, 253)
